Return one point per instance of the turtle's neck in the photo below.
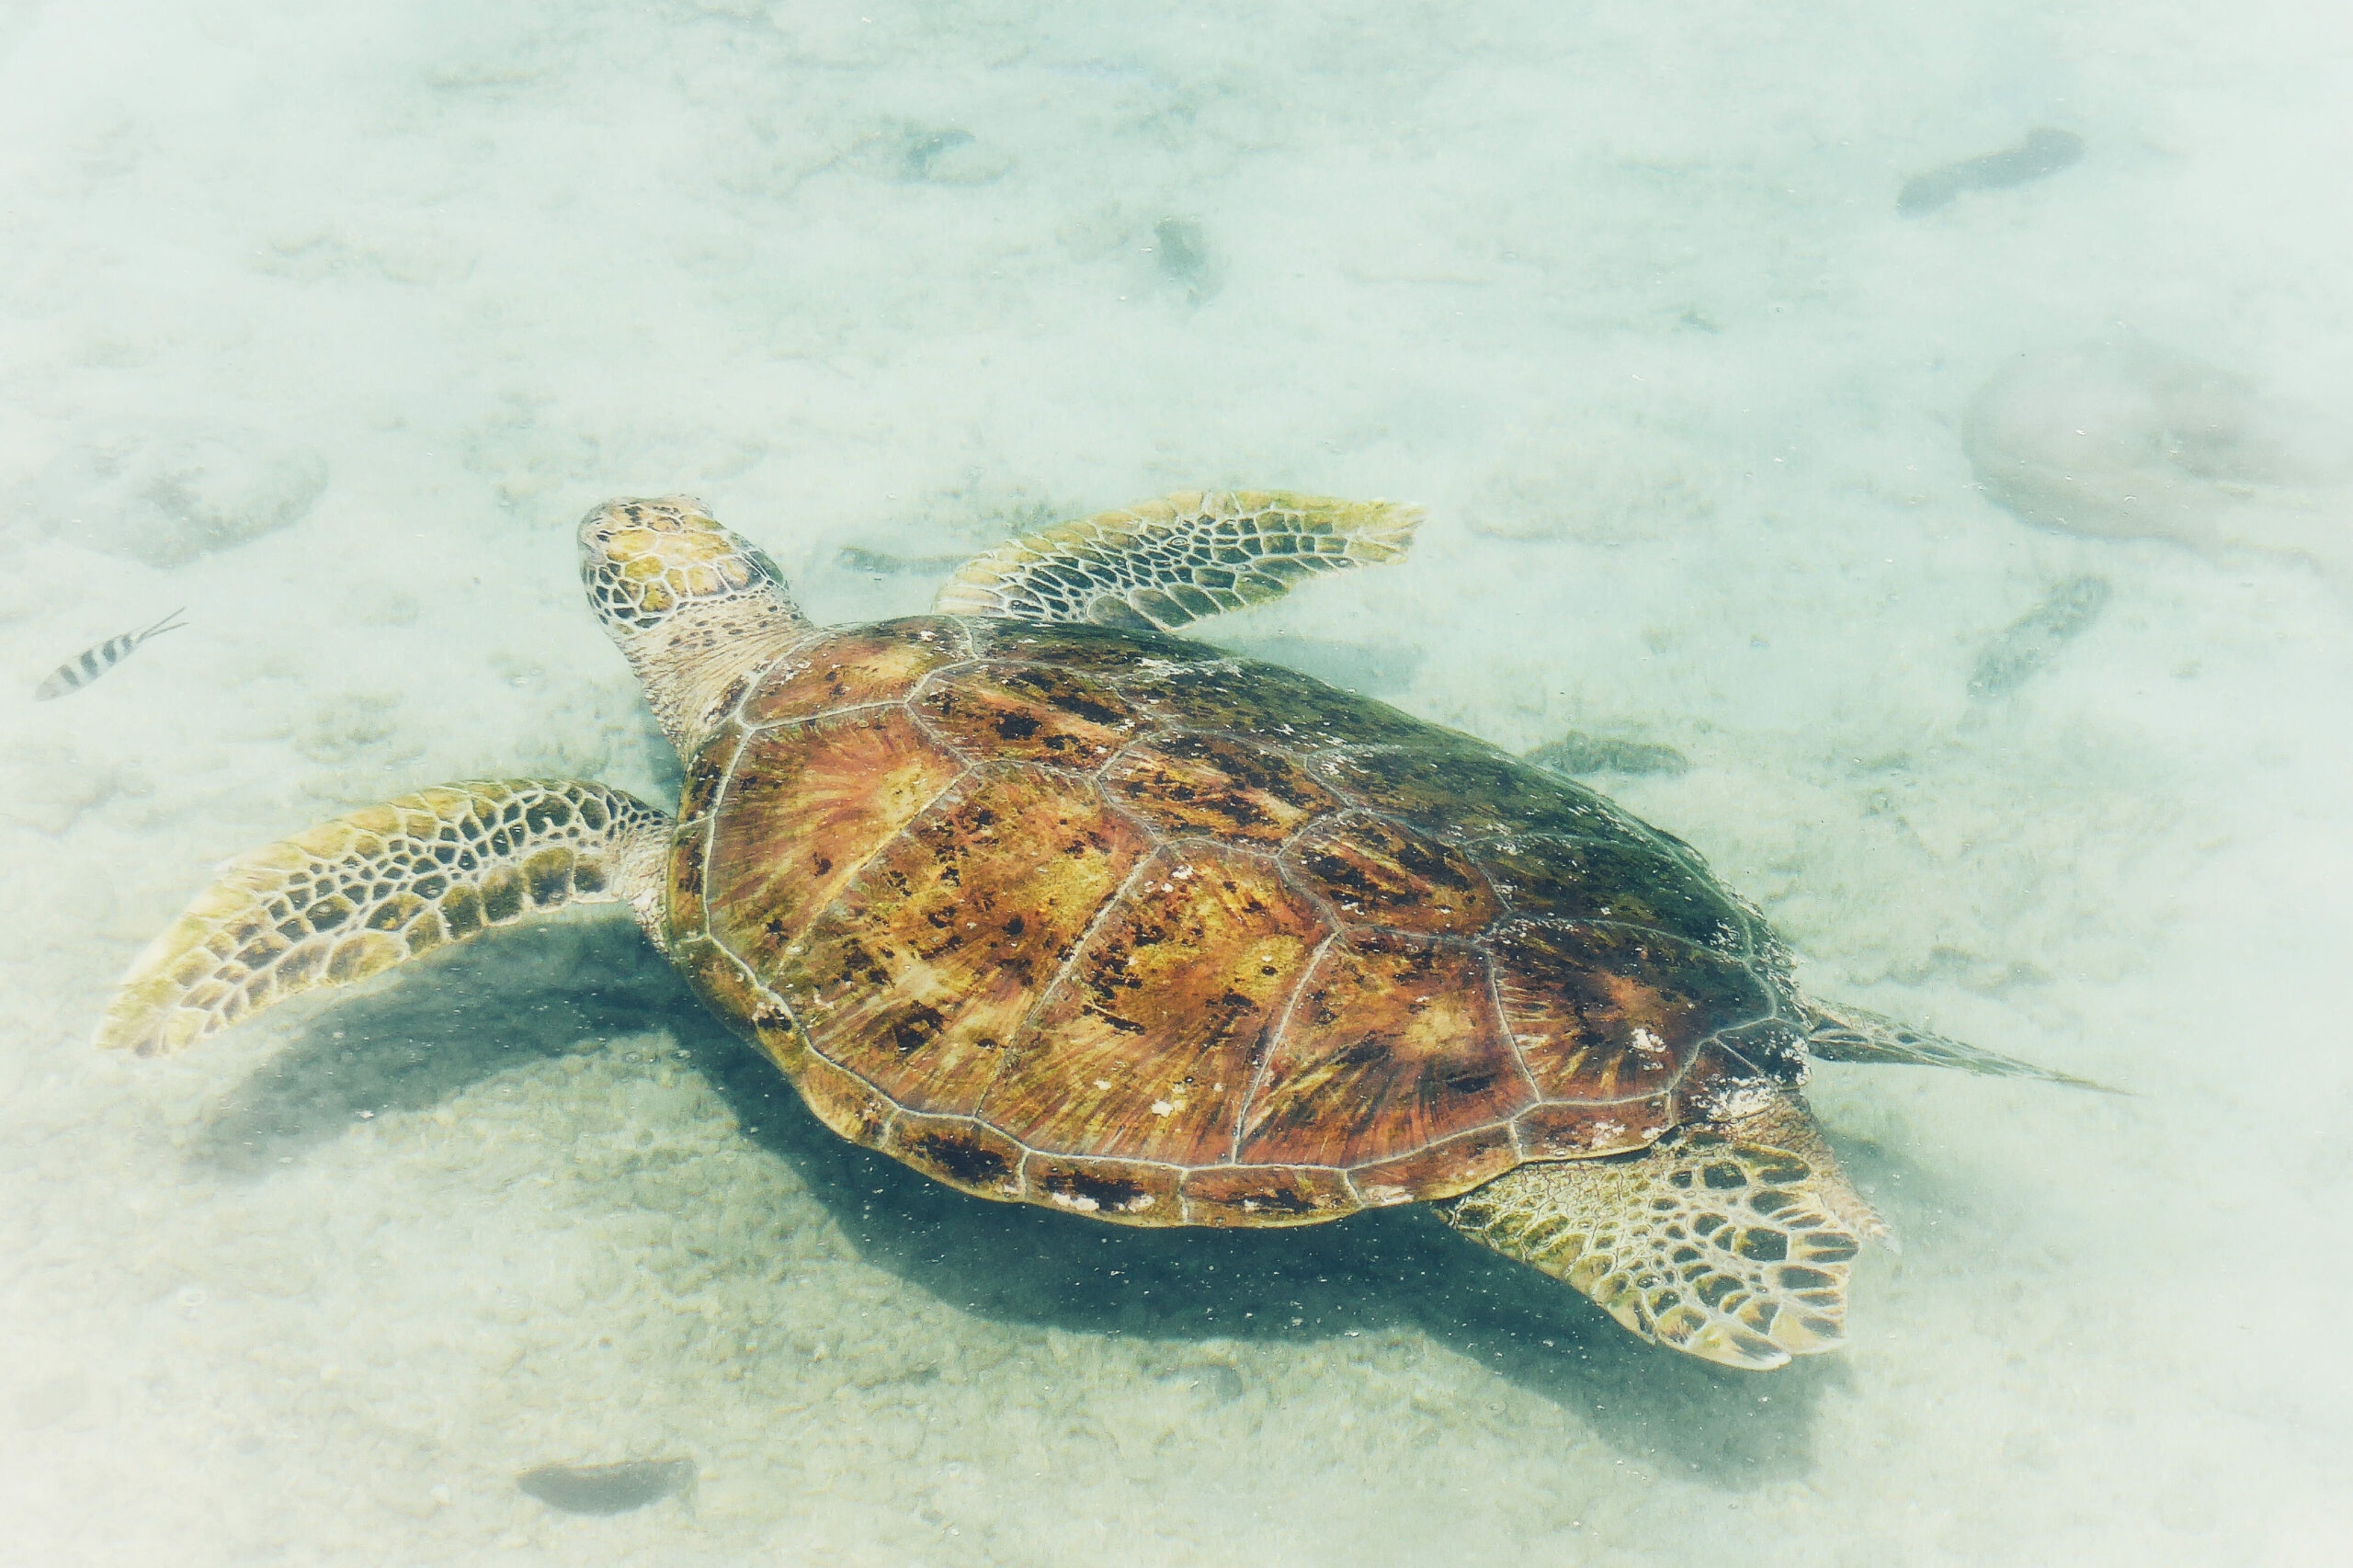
(695, 664)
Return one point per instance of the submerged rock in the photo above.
(2033, 640)
(2127, 440)
(2046, 152)
(606, 1488)
(166, 493)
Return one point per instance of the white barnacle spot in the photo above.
(1181, 873)
(1380, 1195)
(1648, 1042)
(1102, 1083)
(1738, 1100)
(1073, 1200)
(1162, 1108)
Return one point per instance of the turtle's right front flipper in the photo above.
(352, 897)
(1730, 1242)
(1161, 564)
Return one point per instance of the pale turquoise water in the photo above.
(329, 323)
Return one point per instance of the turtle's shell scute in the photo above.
(1108, 921)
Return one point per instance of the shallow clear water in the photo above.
(328, 323)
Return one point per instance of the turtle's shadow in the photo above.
(1386, 1269)
(428, 1031)
(470, 1014)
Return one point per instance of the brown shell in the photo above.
(1110, 922)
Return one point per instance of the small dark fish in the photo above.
(2045, 154)
(75, 673)
(882, 563)
(921, 149)
(1578, 754)
(606, 1488)
(1183, 252)
(2032, 640)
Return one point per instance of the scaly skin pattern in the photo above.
(353, 897)
(1104, 921)
(1161, 564)
(1728, 1244)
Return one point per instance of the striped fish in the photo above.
(75, 673)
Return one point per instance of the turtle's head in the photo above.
(647, 561)
(692, 605)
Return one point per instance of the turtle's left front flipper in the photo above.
(1856, 1034)
(353, 897)
(1161, 564)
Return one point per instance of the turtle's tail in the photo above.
(353, 897)
(1855, 1034)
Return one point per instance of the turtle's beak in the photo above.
(644, 560)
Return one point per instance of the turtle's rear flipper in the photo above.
(1855, 1034)
(1730, 1242)
(353, 897)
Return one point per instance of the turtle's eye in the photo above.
(643, 559)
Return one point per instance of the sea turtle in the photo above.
(1058, 908)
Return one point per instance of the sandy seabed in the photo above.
(328, 322)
